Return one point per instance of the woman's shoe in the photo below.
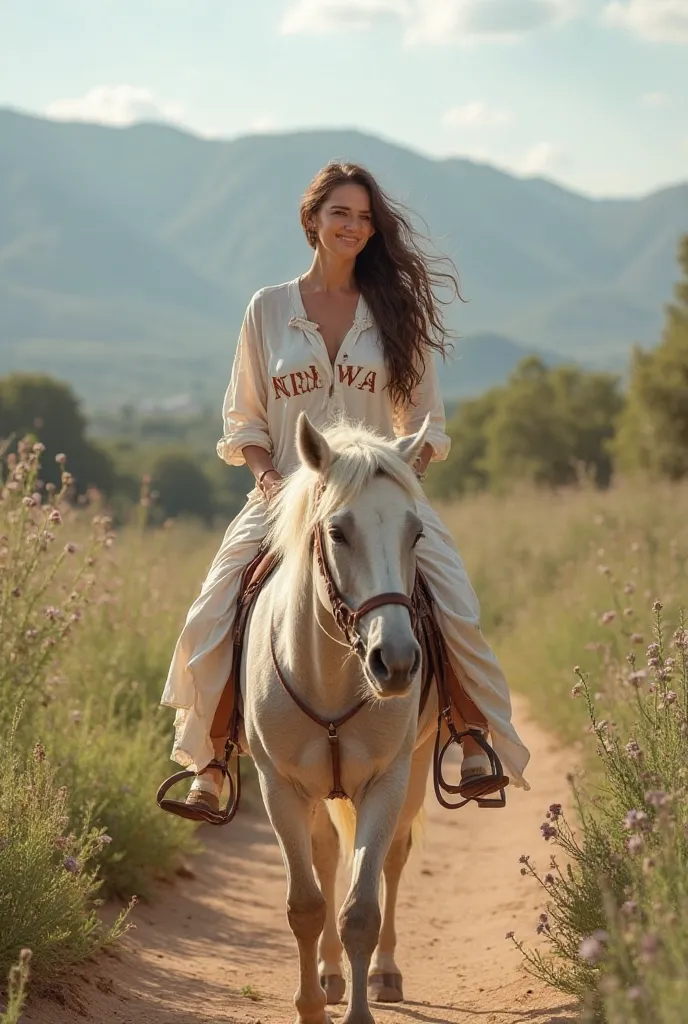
(204, 795)
(477, 780)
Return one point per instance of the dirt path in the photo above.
(224, 929)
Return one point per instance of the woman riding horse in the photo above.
(354, 337)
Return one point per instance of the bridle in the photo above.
(347, 619)
(344, 615)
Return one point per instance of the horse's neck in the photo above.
(318, 666)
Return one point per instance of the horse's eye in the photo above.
(337, 535)
(418, 537)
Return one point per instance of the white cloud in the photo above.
(263, 124)
(318, 17)
(654, 99)
(115, 105)
(430, 21)
(662, 21)
(544, 158)
(476, 114)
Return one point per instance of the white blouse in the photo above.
(282, 366)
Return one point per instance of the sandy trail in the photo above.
(224, 929)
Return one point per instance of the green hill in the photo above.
(127, 256)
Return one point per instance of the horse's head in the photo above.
(362, 509)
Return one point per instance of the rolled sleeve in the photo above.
(426, 400)
(244, 409)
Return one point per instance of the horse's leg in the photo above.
(292, 816)
(359, 918)
(326, 861)
(385, 980)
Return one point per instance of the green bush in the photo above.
(48, 875)
(112, 774)
(84, 645)
(616, 919)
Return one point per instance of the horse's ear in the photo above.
(312, 447)
(410, 447)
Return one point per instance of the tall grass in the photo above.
(582, 594)
(88, 619)
(17, 983)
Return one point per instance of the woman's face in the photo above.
(344, 223)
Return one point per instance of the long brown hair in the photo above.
(396, 278)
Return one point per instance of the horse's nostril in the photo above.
(376, 664)
(416, 664)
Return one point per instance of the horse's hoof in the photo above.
(385, 987)
(334, 986)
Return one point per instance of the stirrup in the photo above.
(195, 812)
(495, 782)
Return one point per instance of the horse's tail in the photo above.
(343, 816)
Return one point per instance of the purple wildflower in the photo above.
(637, 821)
(634, 844)
(592, 948)
(543, 924)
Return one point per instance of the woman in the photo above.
(355, 335)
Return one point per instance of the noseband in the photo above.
(345, 616)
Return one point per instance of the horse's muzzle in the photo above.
(393, 666)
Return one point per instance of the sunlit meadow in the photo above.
(89, 616)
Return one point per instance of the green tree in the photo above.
(38, 405)
(551, 423)
(653, 431)
(544, 425)
(464, 471)
(182, 487)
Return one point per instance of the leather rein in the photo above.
(347, 619)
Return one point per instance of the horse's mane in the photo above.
(306, 500)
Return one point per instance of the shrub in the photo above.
(48, 876)
(616, 919)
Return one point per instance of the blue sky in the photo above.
(591, 93)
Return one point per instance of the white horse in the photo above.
(348, 514)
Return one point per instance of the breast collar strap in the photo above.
(347, 619)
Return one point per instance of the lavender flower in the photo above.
(592, 948)
(542, 925)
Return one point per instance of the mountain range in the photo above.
(128, 255)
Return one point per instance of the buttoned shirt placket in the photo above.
(328, 369)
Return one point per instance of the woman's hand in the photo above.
(269, 483)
